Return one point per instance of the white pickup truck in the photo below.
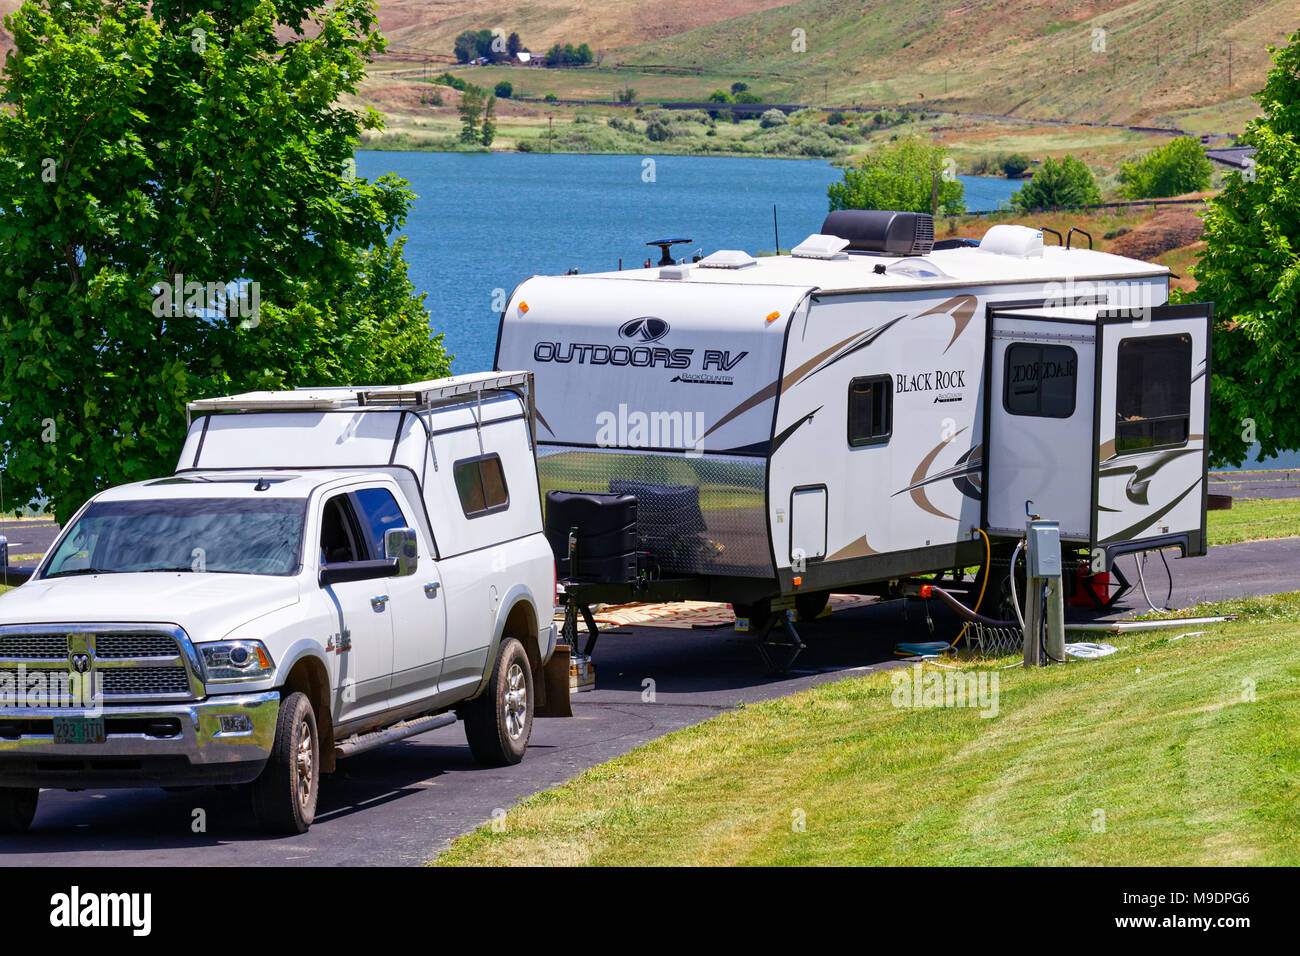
(327, 570)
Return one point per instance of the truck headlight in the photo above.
(235, 660)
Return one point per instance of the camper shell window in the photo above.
(1040, 380)
(1153, 392)
(871, 410)
(481, 484)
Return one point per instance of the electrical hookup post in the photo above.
(1044, 600)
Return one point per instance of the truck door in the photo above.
(1150, 454)
(361, 647)
(415, 604)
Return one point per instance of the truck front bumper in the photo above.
(221, 740)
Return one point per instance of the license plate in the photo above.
(78, 730)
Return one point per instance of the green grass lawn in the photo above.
(1255, 519)
(1154, 755)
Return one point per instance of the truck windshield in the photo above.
(226, 535)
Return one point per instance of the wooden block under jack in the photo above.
(582, 674)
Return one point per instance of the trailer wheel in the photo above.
(17, 808)
(284, 796)
(811, 604)
(499, 721)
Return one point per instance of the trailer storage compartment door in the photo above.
(1151, 455)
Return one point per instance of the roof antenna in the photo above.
(262, 485)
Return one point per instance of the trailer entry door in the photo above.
(1040, 418)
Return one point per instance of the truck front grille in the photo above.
(126, 662)
(145, 681)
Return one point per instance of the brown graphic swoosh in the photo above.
(758, 398)
(854, 549)
(918, 493)
(543, 420)
(961, 309)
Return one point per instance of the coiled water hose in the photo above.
(933, 648)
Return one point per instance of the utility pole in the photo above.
(1229, 64)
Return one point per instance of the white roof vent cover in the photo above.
(727, 259)
(1019, 241)
(819, 246)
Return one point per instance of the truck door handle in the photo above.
(431, 589)
(378, 602)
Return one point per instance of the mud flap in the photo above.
(553, 696)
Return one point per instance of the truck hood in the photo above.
(208, 605)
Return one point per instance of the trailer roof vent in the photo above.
(882, 230)
(727, 259)
(1019, 241)
(818, 246)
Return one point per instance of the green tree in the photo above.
(504, 90)
(1249, 271)
(1063, 184)
(1180, 166)
(905, 176)
(489, 130)
(1015, 165)
(145, 146)
(471, 112)
(465, 47)
(738, 87)
(514, 45)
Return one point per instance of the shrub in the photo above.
(1180, 166)
(772, 118)
(504, 90)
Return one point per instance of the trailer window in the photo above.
(1040, 380)
(1153, 392)
(871, 410)
(481, 484)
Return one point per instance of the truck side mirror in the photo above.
(400, 545)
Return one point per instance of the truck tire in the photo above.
(284, 796)
(17, 808)
(499, 721)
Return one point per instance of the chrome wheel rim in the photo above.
(305, 766)
(516, 702)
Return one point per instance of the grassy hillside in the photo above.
(1164, 60)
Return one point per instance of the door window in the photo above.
(379, 513)
(340, 534)
(1040, 380)
(1153, 392)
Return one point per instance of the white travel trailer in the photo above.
(857, 411)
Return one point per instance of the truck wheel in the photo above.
(499, 721)
(17, 808)
(284, 796)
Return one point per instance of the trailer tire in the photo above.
(811, 604)
(499, 721)
(285, 794)
(17, 808)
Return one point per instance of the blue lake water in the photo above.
(486, 222)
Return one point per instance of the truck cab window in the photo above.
(1153, 392)
(379, 512)
(1040, 380)
(339, 538)
(871, 410)
(481, 485)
